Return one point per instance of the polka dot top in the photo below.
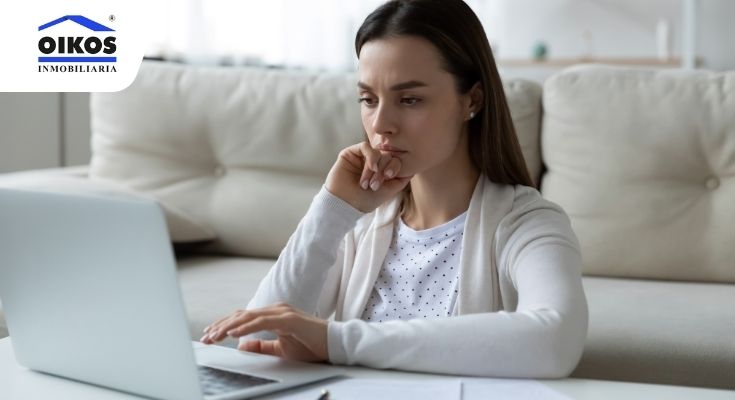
(419, 276)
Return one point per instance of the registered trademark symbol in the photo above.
(112, 18)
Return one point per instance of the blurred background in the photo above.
(531, 39)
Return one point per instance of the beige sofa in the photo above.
(643, 162)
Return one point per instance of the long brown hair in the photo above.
(457, 33)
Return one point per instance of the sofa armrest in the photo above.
(76, 171)
(76, 180)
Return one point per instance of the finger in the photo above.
(378, 177)
(279, 324)
(210, 330)
(270, 347)
(246, 317)
(251, 346)
(215, 323)
(353, 158)
(371, 156)
(366, 177)
(370, 167)
(392, 168)
(220, 331)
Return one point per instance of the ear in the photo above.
(475, 99)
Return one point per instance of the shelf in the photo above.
(565, 62)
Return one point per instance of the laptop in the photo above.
(90, 292)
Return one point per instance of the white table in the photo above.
(18, 383)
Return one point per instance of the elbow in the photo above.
(560, 364)
(562, 350)
(554, 361)
(555, 343)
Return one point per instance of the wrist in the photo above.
(332, 209)
(351, 201)
(335, 350)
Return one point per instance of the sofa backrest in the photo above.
(242, 151)
(644, 164)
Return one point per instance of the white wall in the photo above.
(40, 130)
(29, 131)
(43, 130)
(616, 28)
(717, 34)
(601, 29)
(76, 129)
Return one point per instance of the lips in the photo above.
(392, 149)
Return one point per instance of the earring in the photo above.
(472, 115)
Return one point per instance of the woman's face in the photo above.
(409, 102)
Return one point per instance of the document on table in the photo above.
(502, 389)
(385, 389)
(440, 389)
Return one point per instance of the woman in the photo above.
(427, 246)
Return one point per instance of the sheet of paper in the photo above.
(506, 389)
(384, 389)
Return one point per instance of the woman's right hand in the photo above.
(364, 177)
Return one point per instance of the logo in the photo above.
(94, 51)
(74, 45)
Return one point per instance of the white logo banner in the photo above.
(71, 45)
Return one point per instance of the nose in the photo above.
(383, 121)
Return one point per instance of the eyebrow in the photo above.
(398, 86)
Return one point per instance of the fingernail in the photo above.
(231, 333)
(389, 173)
(374, 185)
(203, 338)
(206, 329)
(364, 184)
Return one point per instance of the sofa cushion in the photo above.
(660, 332)
(243, 150)
(214, 287)
(642, 161)
(524, 101)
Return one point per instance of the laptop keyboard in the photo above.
(216, 381)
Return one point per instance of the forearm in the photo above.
(302, 267)
(543, 338)
(518, 345)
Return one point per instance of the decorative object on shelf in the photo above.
(588, 51)
(663, 40)
(539, 51)
(690, 16)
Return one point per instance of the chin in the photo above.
(406, 172)
(413, 170)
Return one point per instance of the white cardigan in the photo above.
(521, 310)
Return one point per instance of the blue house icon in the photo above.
(91, 45)
(84, 21)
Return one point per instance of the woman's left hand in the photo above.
(301, 336)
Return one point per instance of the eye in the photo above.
(365, 100)
(410, 100)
